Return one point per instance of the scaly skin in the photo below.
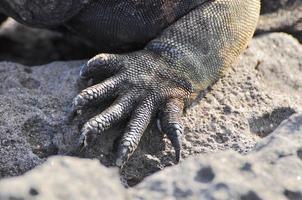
(177, 48)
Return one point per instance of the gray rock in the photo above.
(65, 178)
(281, 16)
(241, 109)
(32, 110)
(272, 171)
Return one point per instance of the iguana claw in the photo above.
(171, 124)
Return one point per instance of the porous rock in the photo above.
(271, 171)
(65, 178)
(281, 16)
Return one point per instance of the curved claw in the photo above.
(174, 134)
(135, 130)
(123, 155)
(88, 134)
(171, 124)
(82, 142)
(79, 147)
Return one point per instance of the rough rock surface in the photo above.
(65, 178)
(281, 16)
(271, 171)
(246, 105)
(32, 106)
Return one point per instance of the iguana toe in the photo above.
(98, 93)
(135, 128)
(102, 64)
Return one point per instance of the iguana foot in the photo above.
(142, 85)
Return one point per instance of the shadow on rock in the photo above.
(268, 122)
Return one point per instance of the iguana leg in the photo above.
(188, 56)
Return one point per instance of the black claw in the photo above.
(82, 72)
(71, 115)
(175, 136)
(122, 155)
(119, 110)
(171, 125)
(82, 143)
(98, 124)
(79, 147)
(89, 132)
(78, 103)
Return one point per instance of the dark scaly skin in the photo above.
(168, 50)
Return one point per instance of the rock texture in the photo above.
(281, 16)
(271, 171)
(246, 105)
(32, 110)
(65, 178)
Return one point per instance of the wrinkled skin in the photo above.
(158, 53)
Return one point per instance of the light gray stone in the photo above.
(272, 171)
(65, 178)
(281, 16)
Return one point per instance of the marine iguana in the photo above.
(157, 54)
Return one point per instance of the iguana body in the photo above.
(176, 48)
